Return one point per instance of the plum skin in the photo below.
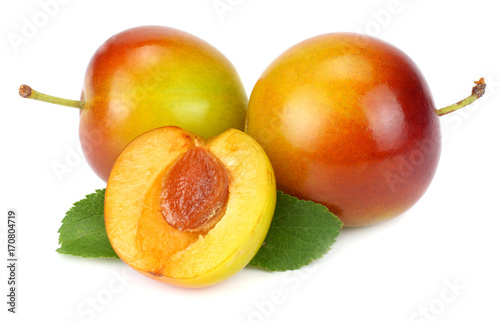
(347, 121)
(153, 76)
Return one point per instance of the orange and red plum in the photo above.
(347, 121)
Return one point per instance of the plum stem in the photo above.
(26, 91)
(477, 92)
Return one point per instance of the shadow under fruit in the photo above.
(349, 121)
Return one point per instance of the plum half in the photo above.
(188, 212)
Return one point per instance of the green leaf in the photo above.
(83, 232)
(301, 231)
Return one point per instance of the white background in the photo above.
(399, 270)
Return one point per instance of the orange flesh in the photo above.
(195, 191)
(135, 222)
